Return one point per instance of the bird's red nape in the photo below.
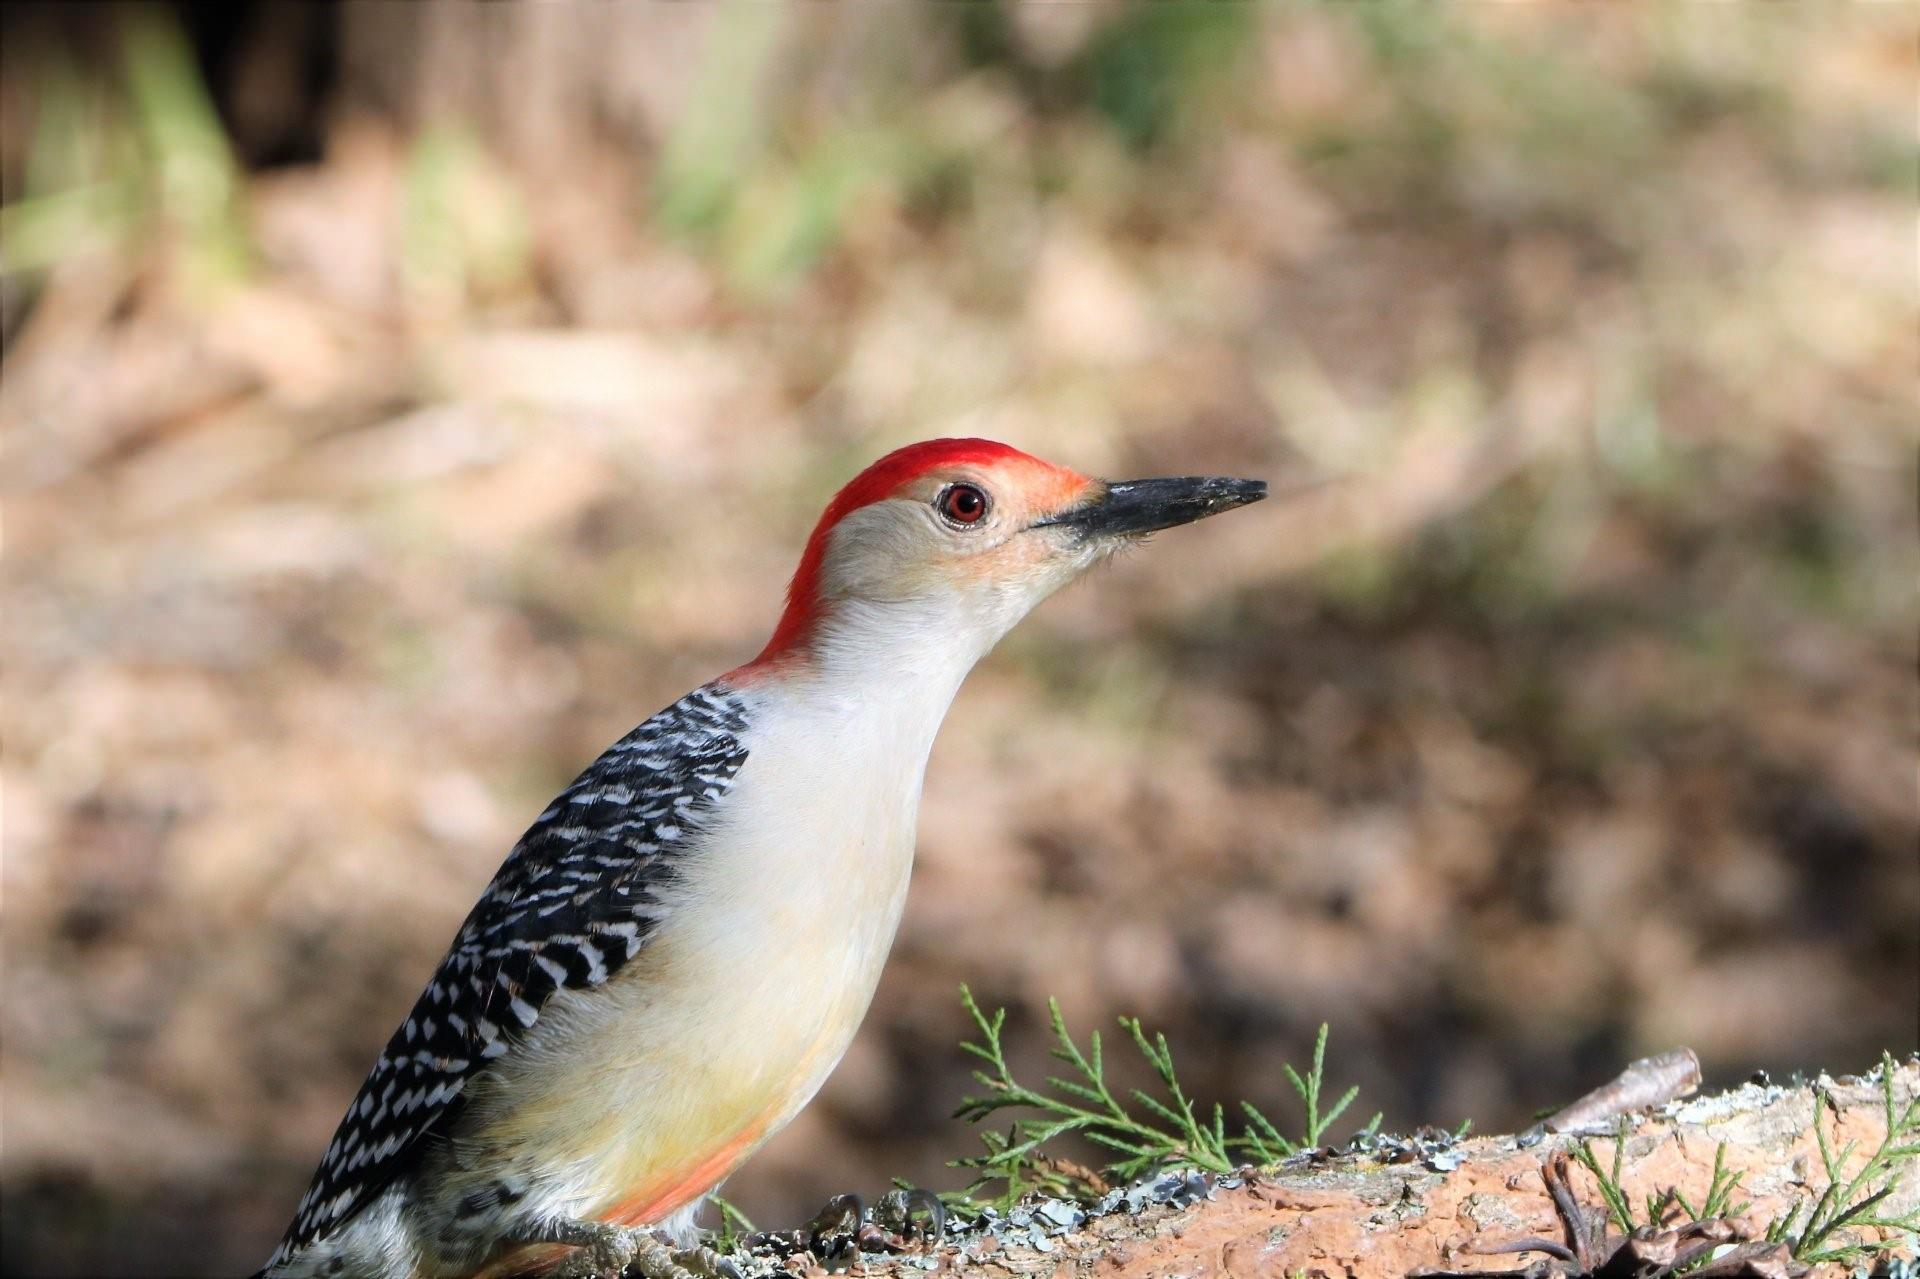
(877, 483)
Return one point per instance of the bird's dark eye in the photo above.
(963, 504)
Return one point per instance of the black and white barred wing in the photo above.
(575, 900)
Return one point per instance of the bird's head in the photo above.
(948, 543)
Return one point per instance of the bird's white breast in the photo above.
(751, 988)
(796, 896)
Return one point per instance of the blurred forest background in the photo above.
(401, 401)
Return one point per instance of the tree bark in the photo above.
(1356, 1216)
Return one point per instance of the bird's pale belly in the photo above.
(637, 1101)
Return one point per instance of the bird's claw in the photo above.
(901, 1211)
(936, 1213)
(843, 1228)
(836, 1232)
(842, 1213)
(605, 1251)
(601, 1251)
(705, 1263)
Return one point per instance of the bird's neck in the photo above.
(896, 664)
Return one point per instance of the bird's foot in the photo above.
(901, 1214)
(601, 1251)
(704, 1262)
(831, 1231)
(836, 1227)
(604, 1251)
(843, 1228)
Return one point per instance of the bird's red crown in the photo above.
(880, 481)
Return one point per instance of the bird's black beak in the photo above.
(1132, 507)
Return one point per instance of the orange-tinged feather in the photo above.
(667, 1195)
(649, 1203)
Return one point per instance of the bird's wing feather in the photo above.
(576, 899)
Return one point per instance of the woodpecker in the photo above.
(678, 951)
